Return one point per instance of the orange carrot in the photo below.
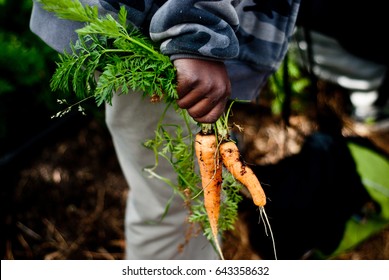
(232, 161)
(211, 178)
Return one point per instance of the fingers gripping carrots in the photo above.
(232, 161)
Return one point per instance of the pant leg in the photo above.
(131, 120)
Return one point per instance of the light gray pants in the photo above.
(131, 120)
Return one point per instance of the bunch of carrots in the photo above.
(213, 151)
(212, 145)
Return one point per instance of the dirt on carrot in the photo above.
(234, 163)
(206, 147)
(243, 173)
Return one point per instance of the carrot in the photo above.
(206, 148)
(232, 161)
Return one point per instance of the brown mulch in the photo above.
(68, 202)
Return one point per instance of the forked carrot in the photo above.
(233, 162)
(243, 173)
(206, 148)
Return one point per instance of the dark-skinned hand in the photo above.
(203, 87)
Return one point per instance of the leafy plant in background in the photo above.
(25, 61)
(298, 83)
(25, 64)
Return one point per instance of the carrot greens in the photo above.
(126, 59)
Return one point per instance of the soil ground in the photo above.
(67, 200)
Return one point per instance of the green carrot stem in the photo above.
(206, 128)
(220, 127)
